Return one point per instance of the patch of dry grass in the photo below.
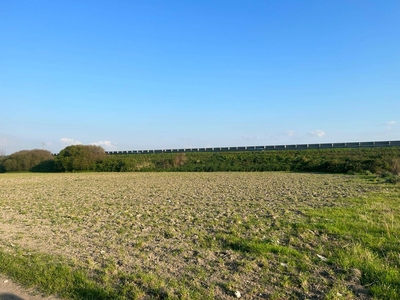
(180, 234)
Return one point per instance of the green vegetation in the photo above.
(80, 157)
(71, 159)
(93, 158)
(366, 237)
(52, 275)
(375, 160)
(25, 160)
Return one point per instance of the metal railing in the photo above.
(266, 148)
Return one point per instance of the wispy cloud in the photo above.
(4, 141)
(389, 124)
(105, 144)
(291, 133)
(69, 141)
(318, 133)
(250, 138)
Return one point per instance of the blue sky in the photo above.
(130, 75)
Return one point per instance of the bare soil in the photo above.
(165, 224)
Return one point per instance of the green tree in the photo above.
(25, 160)
(80, 157)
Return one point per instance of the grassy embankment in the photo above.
(300, 245)
(375, 160)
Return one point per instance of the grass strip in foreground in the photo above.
(51, 276)
(367, 238)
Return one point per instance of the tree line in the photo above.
(75, 158)
(80, 158)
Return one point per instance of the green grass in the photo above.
(51, 276)
(367, 238)
(256, 247)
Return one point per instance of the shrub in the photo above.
(393, 179)
(47, 166)
(386, 174)
(25, 160)
(396, 166)
(80, 157)
(2, 167)
(179, 160)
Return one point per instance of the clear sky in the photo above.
(131, 75)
